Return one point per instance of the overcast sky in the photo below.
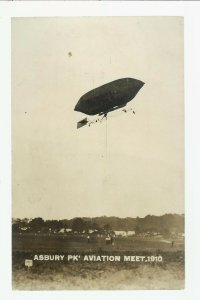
(130, 165)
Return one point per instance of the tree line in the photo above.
(163, 224)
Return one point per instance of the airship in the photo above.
(107, 98)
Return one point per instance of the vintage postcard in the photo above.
(97, 153)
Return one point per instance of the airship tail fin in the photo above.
(82, 123)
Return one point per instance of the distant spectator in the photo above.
(88, 238)
(108, 240)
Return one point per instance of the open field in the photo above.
(78, 243)
(96, 275)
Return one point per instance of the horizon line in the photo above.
(102, 216)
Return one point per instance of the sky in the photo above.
(128, 166)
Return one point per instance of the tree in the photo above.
(78, 225)
(15, 228)
(36, 224)
(107, 228)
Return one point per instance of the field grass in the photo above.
(77, 243)
(69, 275)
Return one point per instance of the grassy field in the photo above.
(69, 275)
(77, 243)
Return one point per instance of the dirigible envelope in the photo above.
(109, 96)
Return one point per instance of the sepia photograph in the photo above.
(97, 111)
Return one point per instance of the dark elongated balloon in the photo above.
(109, 96)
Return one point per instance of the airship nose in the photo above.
(76, 108)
